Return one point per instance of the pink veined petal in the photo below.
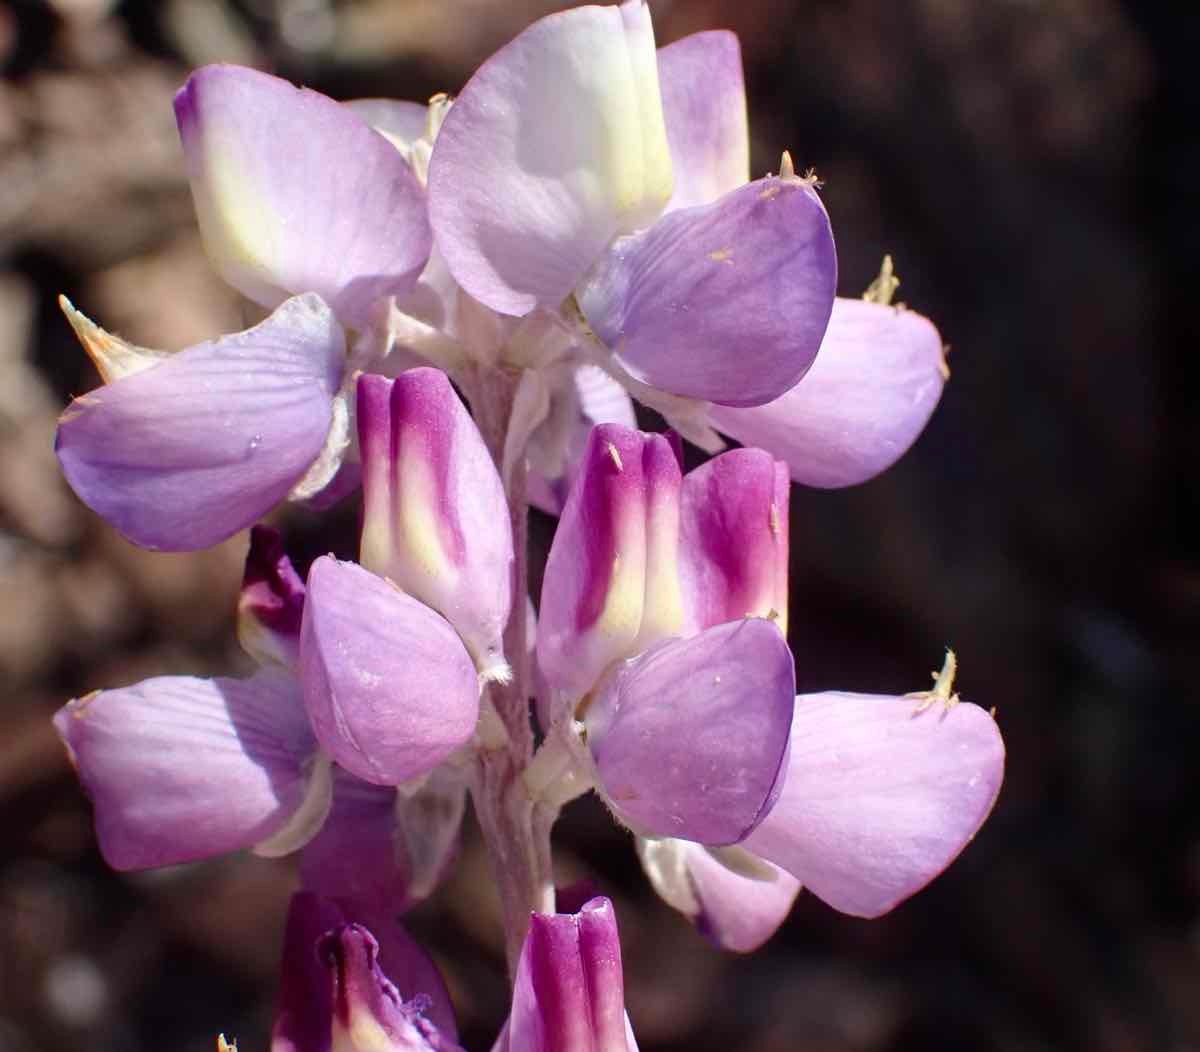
(704, 106)
(271, 603)
(180, 768)
(879, 798)
(389, 686)
(555, 145)
(186, 453)
(622, 505)
(725, 302)
(734, 540)
(690, 739)
(435, 518)
(569, 992)
(296, 193)
(875, 384)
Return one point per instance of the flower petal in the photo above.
(296, 193)
(389, 687)
(271, 603)
(556, 145)
(304, 1012)
(690, 739)
(614, 547)
(704, 106)
(724, 302)
(875, 383)
(400, 121)
(736, 910)
(356, 857)
(395, 968)
(435, 517)
(880, 798)
(569, 992)
(734, 539)
(180, 768)
(587, 396)
(369, 1014)
(185, 454)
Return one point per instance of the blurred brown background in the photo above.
(1031, 164)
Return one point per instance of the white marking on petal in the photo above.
(306, 821)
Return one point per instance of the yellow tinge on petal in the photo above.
(419, 531)
(644, 177)
(662, 614)
(240, 231)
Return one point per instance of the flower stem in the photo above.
(516, 829)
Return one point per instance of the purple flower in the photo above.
(682, 726)
(569, 992)
(723, 302)
(181, 768)
(356, 982)
(880, 369)
(392, 685)
(181, 451)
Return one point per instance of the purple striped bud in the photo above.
(734, 540)
(435, 518)
(612, 581)
(569, 994)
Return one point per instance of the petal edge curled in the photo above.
(611, 579)
(569, 992)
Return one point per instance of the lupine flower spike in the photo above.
(614, 248)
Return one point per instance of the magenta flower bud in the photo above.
(271, 603)
(612, 580)
(435, 519)
(734, 540)
(569, 994)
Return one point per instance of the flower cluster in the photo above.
(577, 228)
